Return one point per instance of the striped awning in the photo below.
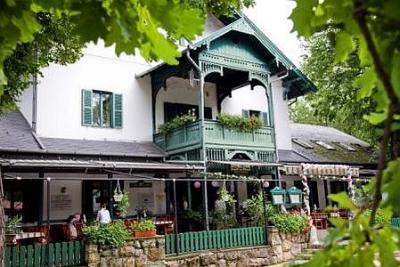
(321, 169)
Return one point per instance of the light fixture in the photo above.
(278, 196)
(18, 178)
(48, 179)
(265, 184)
(295, 195)
(214, 184)
(197, 184)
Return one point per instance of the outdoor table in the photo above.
(15, 239)
(166, 224)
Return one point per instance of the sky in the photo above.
(271, 16)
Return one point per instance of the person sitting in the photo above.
(103, 215)
(74, 226)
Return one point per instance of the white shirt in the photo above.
(103, 216)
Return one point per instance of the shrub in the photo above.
(382, 217)
(175, 123)
(113, 234)
(123, 205)
(239, 123)
(253, 207)
(289, 223)
(145, 225)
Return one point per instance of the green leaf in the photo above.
(366, 82)
(344, 46)
(395, 72)
(343, 201)
(376, 118)
(302, 16)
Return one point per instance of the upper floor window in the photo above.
(101, 109)
(263, 116)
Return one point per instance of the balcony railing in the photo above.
(180, 138)
(216, 135)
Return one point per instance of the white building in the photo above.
(96, 126)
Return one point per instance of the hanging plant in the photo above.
(123, 205)
(118, 194)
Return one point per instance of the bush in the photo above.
(113, 234)
(289, 223)
(146, 225)
(253, 207)
(239, 123)
(175, 123)
(382, 217)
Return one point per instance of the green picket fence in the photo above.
(396, 222)
(216, 239)
(53, 254)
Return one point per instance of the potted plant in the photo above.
(13, 225)
(145, 228)
(123, 205)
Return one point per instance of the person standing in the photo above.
(103, 215)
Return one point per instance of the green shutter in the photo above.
(265, 118)
(87, 114)
(117, 111)
(245, 113)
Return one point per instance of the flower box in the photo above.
(144, 233)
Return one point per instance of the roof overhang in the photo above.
(100, 165)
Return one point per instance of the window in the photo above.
(325, 145)
(302, 143)
(263, 116)
(101, 109)
(346, 146)
(172, 110)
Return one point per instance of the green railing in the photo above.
(53, 254)
(217, 134)
(185, 136)
(395, 222)
(216, 239)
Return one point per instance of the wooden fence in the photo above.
(53, 254)
(216, 239)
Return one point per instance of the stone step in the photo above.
(304, 256)
(310, 250)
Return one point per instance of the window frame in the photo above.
(100, 92)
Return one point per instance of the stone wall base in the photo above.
(281, 248)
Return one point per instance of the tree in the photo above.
(54, 43)
(336, 103)
(151, 27)
(373, 28)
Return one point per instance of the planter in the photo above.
(148, 233)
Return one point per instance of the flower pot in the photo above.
(118, 197)
(147, 233)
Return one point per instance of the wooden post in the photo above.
(48, 215)
(264, 211)
(175, 217)
(110, 195)
(2, 223)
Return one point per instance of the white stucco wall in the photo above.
(25, 104)
(281, 115)
(245, 98)
(180, 91)
(59, 96)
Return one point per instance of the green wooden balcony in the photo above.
(219, 140)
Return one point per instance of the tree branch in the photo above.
(360, 16)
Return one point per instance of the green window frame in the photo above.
(101, 109)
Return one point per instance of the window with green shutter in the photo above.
(101, 109)
(117, 111)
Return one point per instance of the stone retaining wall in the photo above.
(151, 252)
(135, 253)
(281, 247)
